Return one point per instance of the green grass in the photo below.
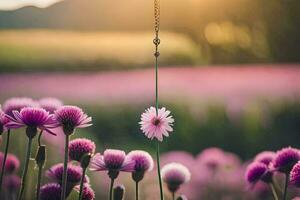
(49, 50)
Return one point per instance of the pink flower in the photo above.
(32, 118)
(3, 121)
(17, 103)
(156, 126)
(50, 104)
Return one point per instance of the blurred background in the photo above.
(229, 71)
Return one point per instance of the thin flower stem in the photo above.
(136, 190)
(81, 183)
(274, 191)
(111, 188)
(173, 195)
(24, 175)
(285, 186)
(38, 186)
(4, 159)
(156, 84)
(64, 178)
(158, 172)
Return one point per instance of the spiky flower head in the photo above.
(265, 157)
(71, 117)
(156, 125)
(12, 163)
(257, 171)
(80, 147)
(50, 104)
(32, 119)
(174, 175)
(143, 162)
(50, 191)
(295, 175)
(87, 192)
(12, 183)
(16, 104)
(285, 159)
(74, 174)
(112, 161)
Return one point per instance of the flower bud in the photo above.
(40, 157)
(119, 192)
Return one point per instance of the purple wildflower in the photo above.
(50, 191)
(112, 161)
(32, 118)
(174, 175)
(265, 157)
(16, 104)
(285, 159)
(71, 117)
(257, 171)
(12, 163)
(73, 176)
(12, 182)
(80, 147)
(87, 192)
(3, 121)
(295, 175)
(50, 104)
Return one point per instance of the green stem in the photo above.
(274, 191)
(136, 190)
(158, 172)
(4, 159)
(64, 178)
(111, 189)
(38, 186)
(173, 195)
(24, 175)
(81, 183)
(285, 186)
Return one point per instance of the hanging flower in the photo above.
(71, 117)
(50, 191)
(174, 175)
(16, 104)
(32, 118)
(80, 147)
(50, 104)
(156, 125)
(112, 161)
(285, 159)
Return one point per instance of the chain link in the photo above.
(156, 40)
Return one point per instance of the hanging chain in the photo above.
(156, 42)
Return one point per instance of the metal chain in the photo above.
(156, 42)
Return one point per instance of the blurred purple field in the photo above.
(232, 85)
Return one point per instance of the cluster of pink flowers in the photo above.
(268, 167)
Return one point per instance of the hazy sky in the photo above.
(13, 4)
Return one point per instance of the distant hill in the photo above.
(82, 14)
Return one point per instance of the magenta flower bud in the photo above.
(71, 117)
(143, 162)
(295, 175)
(285, 159)
(32, 118)
(174, 175)
(80, 147)
(12, 183)
(74, 174)
(50, 191)
(50, 104)
(87, 192)
(265, 157)
(257, 171)
(12, 163)
(16, 104)
(112, 161)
